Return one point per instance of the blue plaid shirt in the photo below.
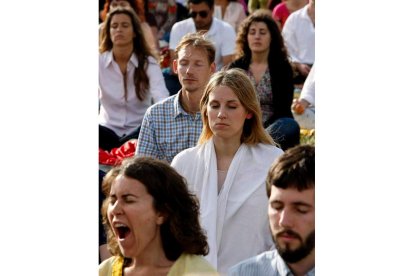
(264, 264)
(167, 129)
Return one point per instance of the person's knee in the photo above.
(285, 132)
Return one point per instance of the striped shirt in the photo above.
(167, 129)
(267, 263)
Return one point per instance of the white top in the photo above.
(235, 220)
(299, 35)
(221, 33)
(120, 115)
(308, 90)
(234, 14)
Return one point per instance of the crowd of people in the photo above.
(217, 181)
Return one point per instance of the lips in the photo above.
(288, 235)
(121, 230)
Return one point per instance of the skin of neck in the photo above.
(260, 58)
(303, 266)
(152, 257)
(226, 147)
(191, 101)
(123, 53)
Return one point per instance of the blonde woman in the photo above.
(227, 170)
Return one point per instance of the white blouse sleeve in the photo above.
(157, 88)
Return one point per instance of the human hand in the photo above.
(299, 106)
(304, 69)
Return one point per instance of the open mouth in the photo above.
(122, 230)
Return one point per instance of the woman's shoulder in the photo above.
(267, 150)
(241, 63)
(190, 264)
(105, 267)
(188, 153)
(105, 57)
(152, 60)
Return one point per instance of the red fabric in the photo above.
(115, 156)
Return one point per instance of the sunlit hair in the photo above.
(181, 231)
(277, 50)
(295, 168)
(141, 48)
(106, 188)
(199, 41)
(137, 5)
(240, 84)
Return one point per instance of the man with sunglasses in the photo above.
(219, 32)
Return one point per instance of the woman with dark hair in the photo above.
(130, 79)
(139, 7)
(152, 223)
(262, 55)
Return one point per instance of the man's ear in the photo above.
(175, 69)
(213, 68)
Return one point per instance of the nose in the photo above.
(285, 220)
(116, 208)
(221, 114)
(189, 69)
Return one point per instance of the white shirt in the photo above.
(234, 218)
(299, 35)
(234, 14)
(117, 113)
(308, 90)
(221, 33)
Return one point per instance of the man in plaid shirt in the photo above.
(175, 124)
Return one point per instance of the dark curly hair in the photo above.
(277, 45)
(181, 231)
(141, 48)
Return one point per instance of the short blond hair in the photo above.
(197, 40)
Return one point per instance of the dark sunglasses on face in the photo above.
(203, 14)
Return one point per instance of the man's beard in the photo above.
(304, 249)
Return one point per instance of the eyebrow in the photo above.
(123, 196)
(301, 203)
(229, 101)
(295, 203)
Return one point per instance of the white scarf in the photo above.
(236, 220)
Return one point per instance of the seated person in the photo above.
(152, 223)
(290, 186)
(262, 55)
(304, 107)
(130, 79)
(175, 124)
(299, 35)
(227, 170)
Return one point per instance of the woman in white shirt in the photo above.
(227, 170)
(230, 11)
(130, 79)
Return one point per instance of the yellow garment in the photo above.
(186, 264)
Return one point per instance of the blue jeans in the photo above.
(285, 132)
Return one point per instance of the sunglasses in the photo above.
(203, 14)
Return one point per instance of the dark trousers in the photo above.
(285, 132)
(108, 139)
